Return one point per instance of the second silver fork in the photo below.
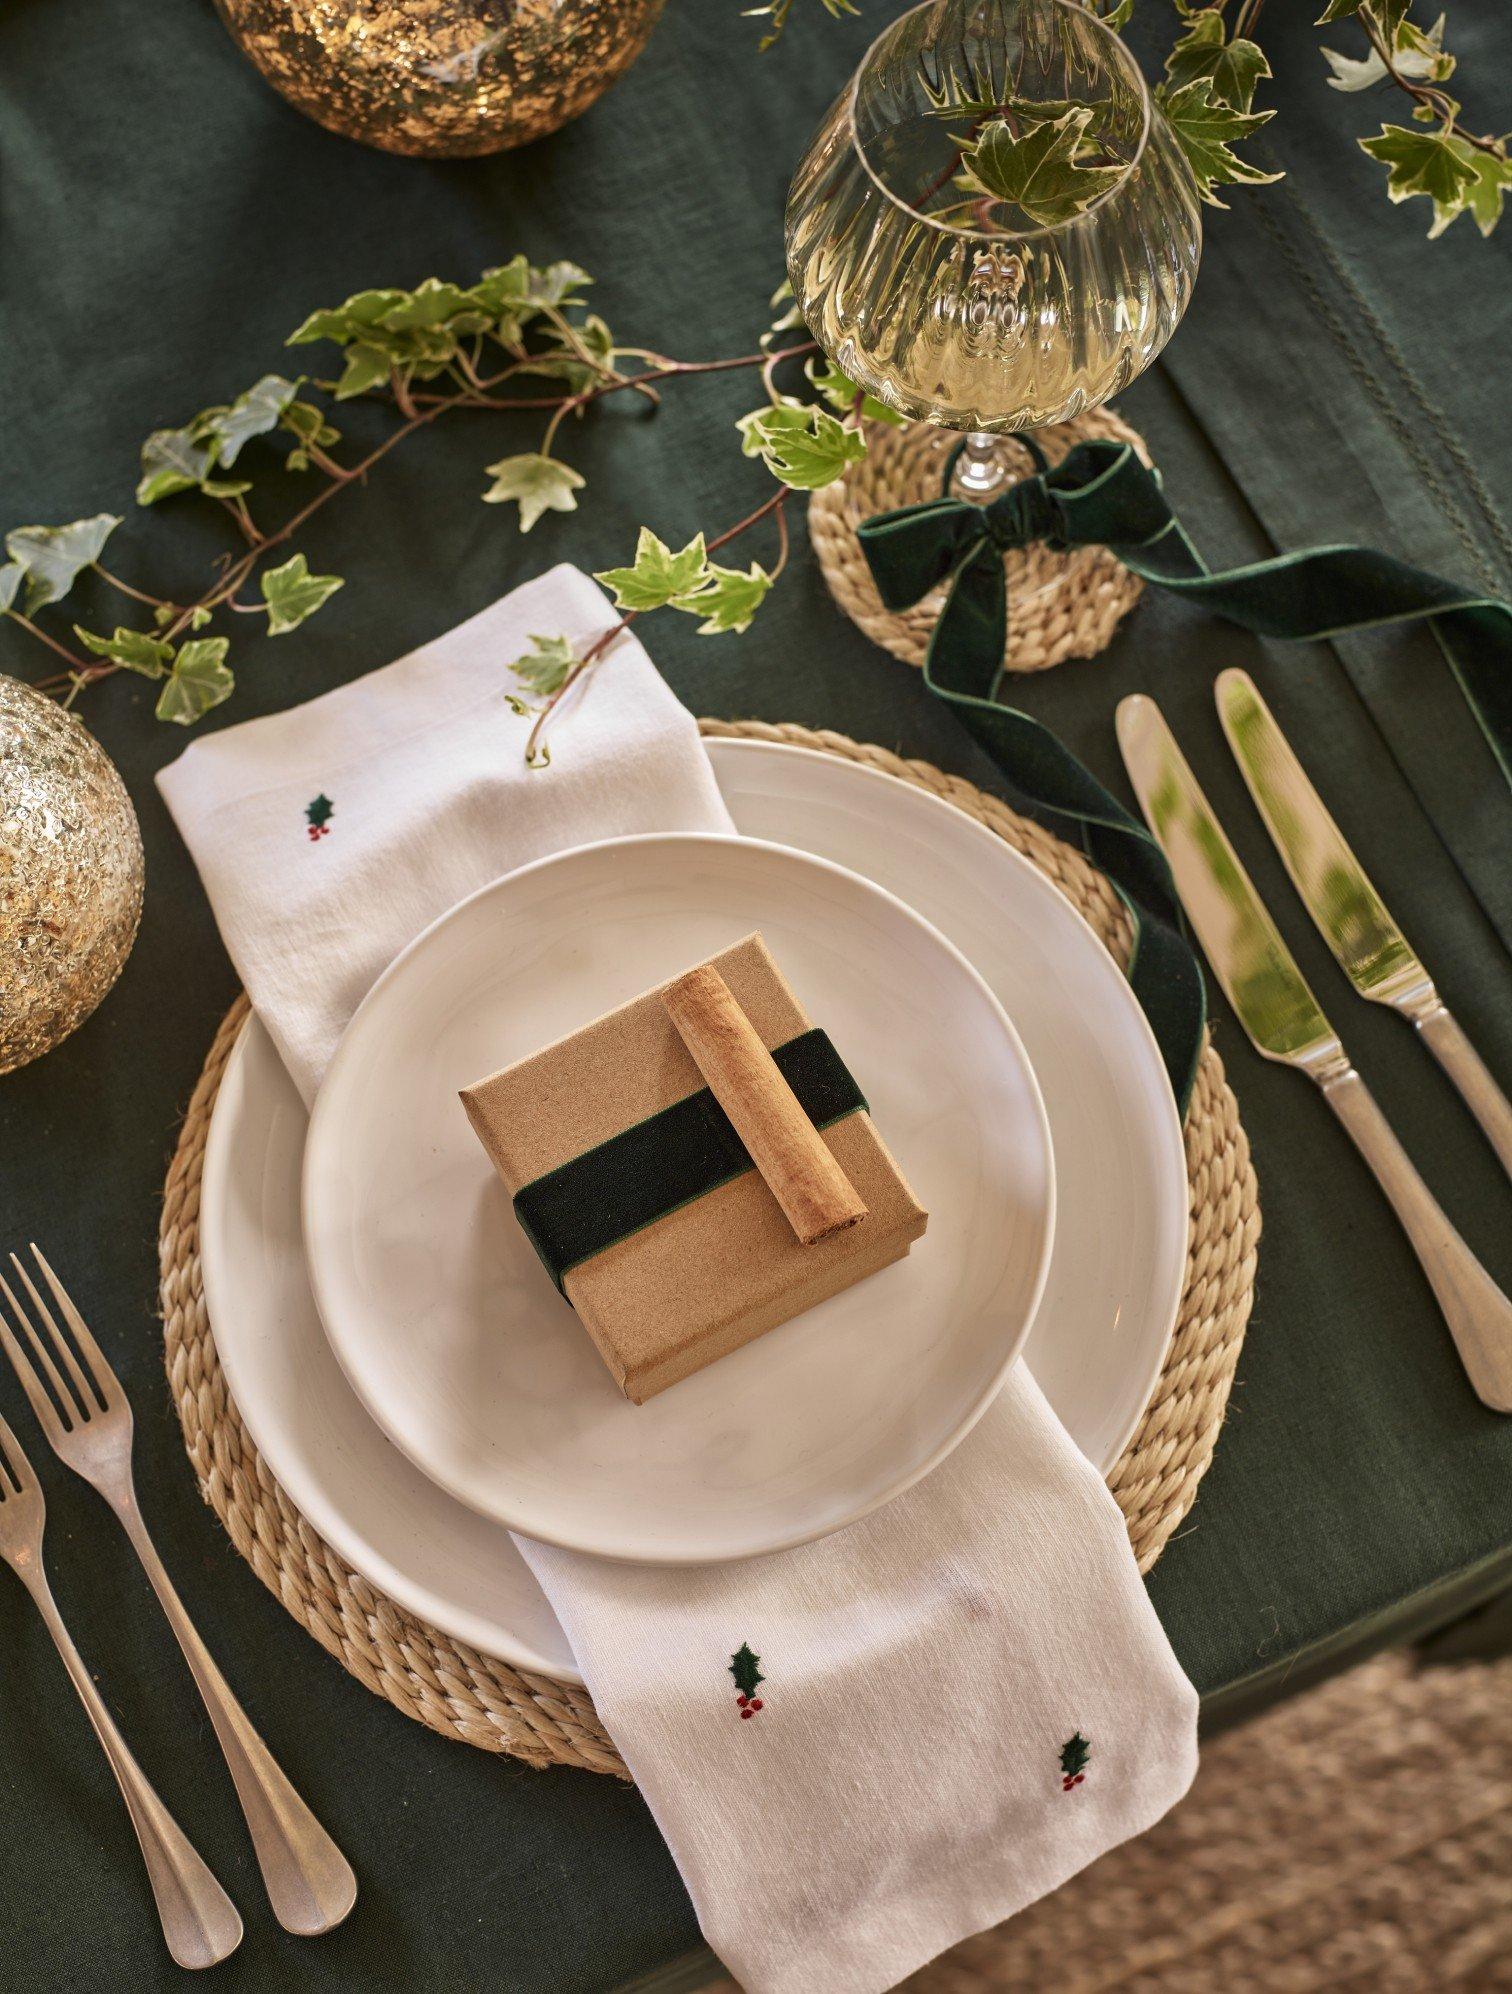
(87, 1420)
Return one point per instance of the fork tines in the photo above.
(70, 1406)
(17, 1475)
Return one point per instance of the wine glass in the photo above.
(959, 307)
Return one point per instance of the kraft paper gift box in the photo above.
(668, 1295)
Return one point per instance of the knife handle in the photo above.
(1479, 1315)
(1440, 1032)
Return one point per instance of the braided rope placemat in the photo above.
(467, 1695)
(1060, 605)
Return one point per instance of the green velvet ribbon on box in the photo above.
(1100, 494)
(656, 1166)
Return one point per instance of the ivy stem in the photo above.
(136, 594)
(75, 662)
(773, 506)
(1437, 101)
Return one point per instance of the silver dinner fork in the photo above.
(88, 1421)
(200, 1922)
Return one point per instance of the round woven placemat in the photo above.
(1059, 605)
(467, 1695)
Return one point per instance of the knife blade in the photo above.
(1342, 899)
(1272, 1000)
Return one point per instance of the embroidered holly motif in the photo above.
(746, 1669)
(1073, 1759)
(319, 814)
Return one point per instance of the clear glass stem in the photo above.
(984, 467)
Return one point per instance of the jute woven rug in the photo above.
(1358, 1840)
(485, 1702)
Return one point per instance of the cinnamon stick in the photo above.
(813, 1191)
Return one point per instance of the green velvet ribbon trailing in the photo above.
(656, 1166)
(1100, 494)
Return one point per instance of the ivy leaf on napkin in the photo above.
(1038, 170)
(292, 593)
(546, 666)
(535, 483)
(658, 575)
(200, 679)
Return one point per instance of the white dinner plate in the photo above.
(455, 1338)
(1116, 1269)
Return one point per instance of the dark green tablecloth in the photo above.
(163, 222)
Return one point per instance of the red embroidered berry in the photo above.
(755, 1702)
(745, 1714)
(1067, 1784)
(1078, 1779)
(742, 1701)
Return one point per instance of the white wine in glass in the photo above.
(957, 306)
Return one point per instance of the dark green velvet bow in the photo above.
(1100, 494)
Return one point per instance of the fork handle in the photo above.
(1440, 1031)
(309, 1881)
(200, 1923)
(1479, 1315)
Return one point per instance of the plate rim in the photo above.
(322, 1117)
(444, 1617)
(745, 745)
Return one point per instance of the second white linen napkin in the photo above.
(860, 1750)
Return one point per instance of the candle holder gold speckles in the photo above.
(70, 874)
(442, 78)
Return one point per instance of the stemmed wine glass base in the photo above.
(1061, 605)
(987, 465)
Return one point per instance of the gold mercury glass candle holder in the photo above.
(966, 313)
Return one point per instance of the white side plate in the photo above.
(477, 1369)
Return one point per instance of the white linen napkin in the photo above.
(964, 1698)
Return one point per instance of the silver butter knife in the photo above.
(1353, 919)
(1286, 1023)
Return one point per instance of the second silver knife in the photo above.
(1276, 1007)
(1351, 916)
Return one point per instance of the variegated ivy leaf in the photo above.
(1419, 54)
(367, 367)
(546, 666)
(658, 575)
(343, 323)
(252, 414)
(1493, 181)
(1041, 170)
(535, 483)
(516, 292)
(564, 359)
(1439, 165)
(435, 302)
(1232, 67)
(790, 320)
(802, 447)
(12, 574)
(135, 649)
(777, 11)
(840, 391)
(1207, 132)
(1387, 14)
(53, 557)
(198, 679)
(727, 599)
(292, 593)
(175, 460)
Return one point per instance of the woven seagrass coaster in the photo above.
(1059, 605)
(467, 1695)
